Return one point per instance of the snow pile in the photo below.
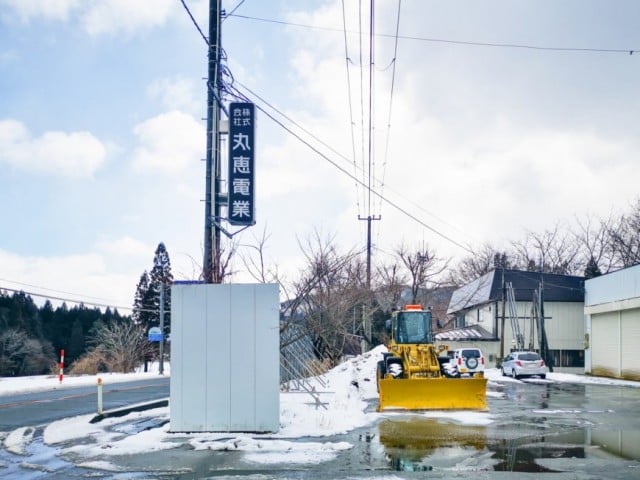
(343, 393)
(41, 383)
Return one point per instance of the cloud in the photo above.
(179, 93)
(75, 154)
(107, 274)
(125, 16)
(49, 9)
(169, 143)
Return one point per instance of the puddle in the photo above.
(422, 444)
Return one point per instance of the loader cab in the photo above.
(411, 326)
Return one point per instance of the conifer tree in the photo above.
(146, 308)
(592, 270)
(161, 277)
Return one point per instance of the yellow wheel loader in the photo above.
(411, 375)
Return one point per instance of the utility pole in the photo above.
(211, 262)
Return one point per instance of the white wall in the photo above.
(612, 321)
(225, 346)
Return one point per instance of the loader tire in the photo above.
(397, 372)
(380, 373)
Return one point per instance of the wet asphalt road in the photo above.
(37, 408)
(538, 428)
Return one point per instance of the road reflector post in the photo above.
(99, 396)
(61, 366)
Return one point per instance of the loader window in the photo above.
(413, 327)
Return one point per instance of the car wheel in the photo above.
(513, 374)
(504, 374)
(543, 376)
(471, 362)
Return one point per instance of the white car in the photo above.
(524, 364)
(465, 361)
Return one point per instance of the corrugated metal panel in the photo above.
(620, 285)
(605, 349)
(225, 358)
(565, 327)
(630, 340)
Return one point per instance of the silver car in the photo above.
(524, 364)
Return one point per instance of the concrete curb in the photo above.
(121, 412)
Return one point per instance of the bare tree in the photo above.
(330, 298)
(479, 263)
(390, 280)
(624, 236)
(595, 244)
(123, 344)
(21, 355)
(424, 268)
(255, 263)
(553, 251)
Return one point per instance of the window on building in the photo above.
(567, 358)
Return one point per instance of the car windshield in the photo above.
(530, 357)
(413, 327)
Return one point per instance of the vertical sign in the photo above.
(241, 163)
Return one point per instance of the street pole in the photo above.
(211, 261)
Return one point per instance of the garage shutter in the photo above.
(630, 341)
(605, 336)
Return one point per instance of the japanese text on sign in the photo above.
(241, 163)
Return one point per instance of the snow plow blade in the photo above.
(433, 394)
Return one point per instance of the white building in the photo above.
(483, 317)
(612, 324)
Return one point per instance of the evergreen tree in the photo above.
(592, 270)
(146, 307)
(75, 347)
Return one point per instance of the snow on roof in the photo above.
(475, 331)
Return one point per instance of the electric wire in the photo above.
(362, 139)
(393, 81)
(233, 10)
(50, 289)
(193, 20)
(629, 51)
(351, 123)
(370, 152)
(70, 300)
(228, 87)
(344, 170)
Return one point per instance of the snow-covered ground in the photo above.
(350, 387)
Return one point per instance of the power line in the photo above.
(193, 20)
(230, 89)
(629, 51)
(351, 123)
(343, 170)
(51, 289)
(393, 81)
(70, 300)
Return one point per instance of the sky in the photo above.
(306, 436)
(487, 119)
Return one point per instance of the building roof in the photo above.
(473, 332)
(488, 288)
